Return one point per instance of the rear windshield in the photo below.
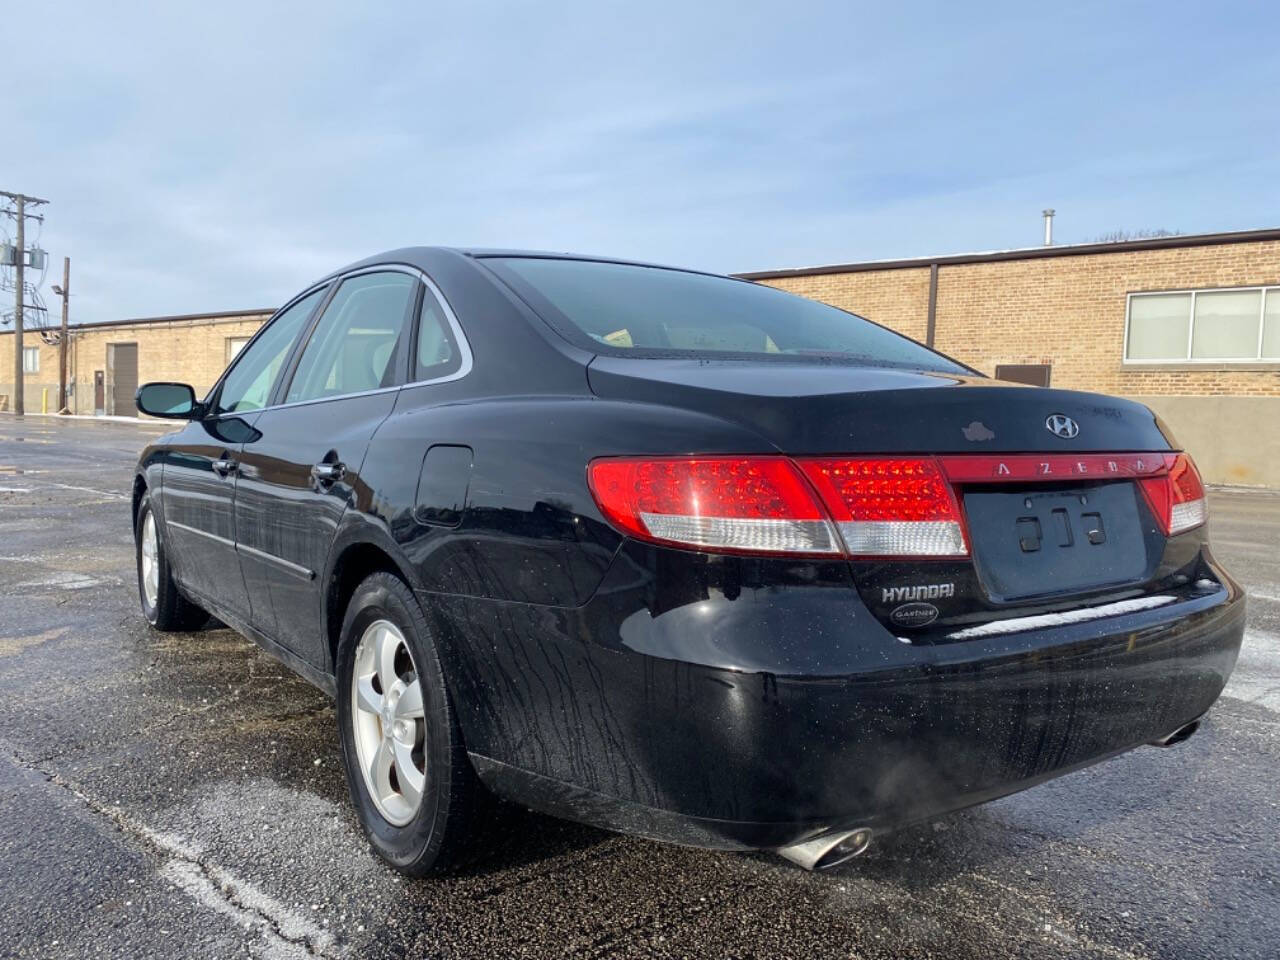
(624, 309)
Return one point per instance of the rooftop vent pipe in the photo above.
(1048, 227)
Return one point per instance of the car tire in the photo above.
(376, 704)
(163, 604)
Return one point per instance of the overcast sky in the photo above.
(219, 156)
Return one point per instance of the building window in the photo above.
(1240, 325)
(234, 346)
(30, 359)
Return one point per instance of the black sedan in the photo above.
(678, 555)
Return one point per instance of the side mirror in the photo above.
(172, 401)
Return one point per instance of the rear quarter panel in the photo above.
(530, 531)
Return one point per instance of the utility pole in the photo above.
(65, 293)
(20, 200)
(19, 386)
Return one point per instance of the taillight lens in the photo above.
(862, 507)
(758, 505)
(1177, 496)
(890, 506)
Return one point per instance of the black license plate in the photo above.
(1041, 542)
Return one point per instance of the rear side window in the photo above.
(625, 309)
(355, 343)
(249, 383)
(437, 353)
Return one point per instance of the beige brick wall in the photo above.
(894, 298)
(192, 350)
(1067, 310)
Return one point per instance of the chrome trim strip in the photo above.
(294, 568)
(201, 533)
(341, 396)
(993, 628)
(287, 565)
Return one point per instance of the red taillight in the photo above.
(737, 504)
(890, 506)
(1176, 496)
(882, 506)
(863, 506)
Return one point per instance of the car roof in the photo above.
(421, 257)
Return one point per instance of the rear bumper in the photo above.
(756, 716)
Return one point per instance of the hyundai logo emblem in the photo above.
(1062, 426)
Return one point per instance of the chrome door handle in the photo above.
(224, 468)
(326, 473)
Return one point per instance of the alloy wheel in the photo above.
(388, 722)
(150, 560)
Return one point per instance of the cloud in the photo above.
(222, 156)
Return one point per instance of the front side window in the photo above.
(354, 345)
(30, 359)
(1204, 325)
(248, 385)
(624, 309)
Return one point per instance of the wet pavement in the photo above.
(181, 795)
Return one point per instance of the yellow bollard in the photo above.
(44, 400)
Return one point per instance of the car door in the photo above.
(301, 471)
(200, 476)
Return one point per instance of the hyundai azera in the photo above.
(677, 554)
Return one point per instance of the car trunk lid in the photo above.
(1053, 487)
(804, 408)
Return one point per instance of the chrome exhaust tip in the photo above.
(1182, 733)
(829, 850)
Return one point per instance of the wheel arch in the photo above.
(140, 488)
(147, 478)
(361, 547)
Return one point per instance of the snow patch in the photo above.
(1256, 678)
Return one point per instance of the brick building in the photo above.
(1189, 325)
(107, 361)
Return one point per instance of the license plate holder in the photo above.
(1047, 541)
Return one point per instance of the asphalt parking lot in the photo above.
(182, 796)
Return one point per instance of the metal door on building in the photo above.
(122, 364)
(99, 394)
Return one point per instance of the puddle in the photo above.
(12, 645)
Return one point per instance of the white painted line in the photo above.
(222, 890)
(283, 933)
(63, 580)
(15, 489)
(71, 486)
